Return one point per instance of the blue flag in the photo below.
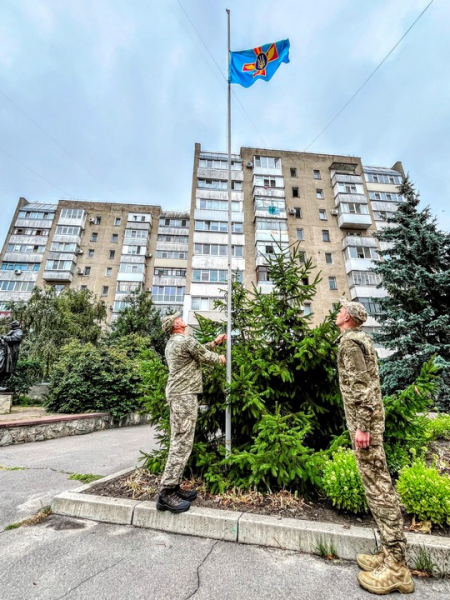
(259, 63)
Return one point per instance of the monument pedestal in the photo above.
(6, 399)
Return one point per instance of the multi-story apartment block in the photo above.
(331, 205)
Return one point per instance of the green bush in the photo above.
(91, 379)
(425, 493)
(342, 482)
(28, 373)
(438, 428)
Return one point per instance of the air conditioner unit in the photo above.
(80, 251)
(80, 271)
(111, 307)
(249, 164)
(148, 255)
(334, 212)
(18, 272)
(292, 211)
(149, 289)
(91, 220)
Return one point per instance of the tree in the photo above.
(141, 317)
(415, 272)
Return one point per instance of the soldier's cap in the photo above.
(355, 309)
(167, 322)
(15, 324)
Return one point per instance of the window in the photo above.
(108, 271)
(94, 237)
(205, 163)
(200, 304)
(316, 174)
(131, 268)
(332, 283)
(295, 193)
(373, 308)
(114, 238)
(91, 253)
(71, 213)
(214, 275)
(379, 178)
(322, 214)
(25, 248)
(218, 226)
(215, 205)
(361, 252)
(300, 234)
(298, 212)
(63, 247)
(20, 266)
(268, 182)
(177, 239)
(63, 230)
(184, 222)
(236, 185)
(83, 287)
(262, 274)
(126, 287)
(364, 278)
(58, 265)
(319, 194)
(112, 253)
(168, 293)
(218, 249)
(136, 234)
(267, 162)
(87, 270)
(170, 272)
(212, 184)
(271, 225)
(302, 257)
(105, 290)
(117, 221)
(171, 254)
(16, 286)
(329, 258)
(293, 172)
(354, 208)
(307, 309)
(97, 220)
(325, 235)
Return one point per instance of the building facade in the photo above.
(329, 204)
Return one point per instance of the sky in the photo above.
(104, 100)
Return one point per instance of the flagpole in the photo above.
(228, 407)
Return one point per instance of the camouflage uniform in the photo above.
(364, 410)
(184, 355)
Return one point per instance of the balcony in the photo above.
(355, 198)
(201, 214)
(166, 280)
(263, 235)
(268, 192)
(344, 178)
(73, 222)
(58, 276)
(28, 240)
(353, 240)
(23, 257)
(68, 239)
(352, 221)
(221, 174)
(137, 259)
(34, 223)
(132, 277)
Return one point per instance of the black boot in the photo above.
(168, 499)
(189, 495)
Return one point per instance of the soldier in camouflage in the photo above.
(359, 381)
(184, 355)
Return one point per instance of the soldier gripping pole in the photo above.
(228, 407)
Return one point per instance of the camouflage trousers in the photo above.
(382, 499)
(183, 416)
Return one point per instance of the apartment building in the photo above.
(330, 204)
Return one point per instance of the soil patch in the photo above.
(142, 485)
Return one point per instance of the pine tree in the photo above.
(414, 315)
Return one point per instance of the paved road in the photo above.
(70, 559)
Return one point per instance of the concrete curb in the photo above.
(246, 528)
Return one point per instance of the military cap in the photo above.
(355, 309)
(167, 322)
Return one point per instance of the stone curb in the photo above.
(312, 537)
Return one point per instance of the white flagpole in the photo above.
(228, 407)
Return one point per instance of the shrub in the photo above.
(28, 373)
(342, 482)
(438, 428)
(425, 493)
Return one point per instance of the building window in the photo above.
(91, 253)
(323, 214)
(83, 287)
(319, 194)
(117, 221)
(298, 212)
(112, 253)
(307, 309)
(316, 174)
(300, 234)
(295, 193)
(293, 172)
(94, 237)
(325, 235)
(332, 283)
(171, 254)
(302, 257)
(329, 258)
(65, 230)
(208, 205)
(105, 290)
(114, 238)
(213, 275)
(218, 250)
(200, 303)
(108, 271)
(87, 270)
(361, 252)
(267, 162)
(97, 220)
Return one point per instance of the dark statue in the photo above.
(9, 352)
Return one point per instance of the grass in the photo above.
(325, 551)
(34, 520)
(85, 477)
(424, 566)
(2, 468)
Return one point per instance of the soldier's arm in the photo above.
(360, 384)
(201, 353)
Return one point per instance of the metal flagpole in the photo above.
(228, 407)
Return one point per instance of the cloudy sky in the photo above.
(103, 100)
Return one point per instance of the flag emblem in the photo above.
(258, 63)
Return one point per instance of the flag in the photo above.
(259, 63)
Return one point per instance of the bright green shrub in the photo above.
(439, 428)
(425, 493)
(342, 482)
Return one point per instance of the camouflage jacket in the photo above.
(184, 355)
(359, 381)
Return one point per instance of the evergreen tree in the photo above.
(415, 319)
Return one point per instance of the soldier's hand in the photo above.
(362, 439)
(220, 338)
(223, 359)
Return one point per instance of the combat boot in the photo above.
(389, 577)
(189, 495)
(370, 562)
(168, 499)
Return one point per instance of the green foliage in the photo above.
(88, 378)
(85, 477)
(140, 317)
(325, 550)
(425, 493)
(28, 373)
(415, 271)
(406, 426)
(342, 482)
(438, 428)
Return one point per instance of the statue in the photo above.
(9, 352)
